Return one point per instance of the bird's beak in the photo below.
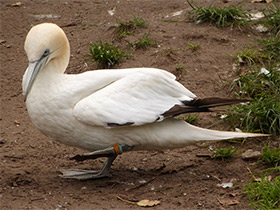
(31, 73)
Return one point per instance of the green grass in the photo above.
(106, 55)
(221, 17)
(265, 52)
(223, 153)
(194, 47)
(271, 156)
(265, 194)
(250, 56)
(180, 69)
(272, 19)
(171, 21)
(256, 85)
(143, 43)
(271, 48)
(262, 114)
(129, 26)
(190, 118)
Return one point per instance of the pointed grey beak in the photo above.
(31, 73)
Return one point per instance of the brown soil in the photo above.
(179, 179)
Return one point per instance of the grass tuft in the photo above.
(106, 55)
(271, 156)
(264, 194)
(262, 114)
(266, 52)
(190, 118)
(223, 153)
(272, 19)
(250, 56)
(271, 48)
(128, 27)
(221, 17)
(194, 47)
(255, 84)
(143, 43)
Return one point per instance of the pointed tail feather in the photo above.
(202, 134)
(173, 133)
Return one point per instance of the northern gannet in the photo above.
(108, 112)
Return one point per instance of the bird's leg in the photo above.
(116, 149)
(111, 153)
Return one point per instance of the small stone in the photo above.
(250, 155)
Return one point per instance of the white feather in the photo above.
(75, 109)
(140, 96)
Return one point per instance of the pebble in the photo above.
(250, 154)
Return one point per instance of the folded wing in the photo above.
(135, 99)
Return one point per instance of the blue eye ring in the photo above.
(46, 52)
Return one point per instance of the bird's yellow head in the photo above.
(45, 45)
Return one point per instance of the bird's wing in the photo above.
(135, 99)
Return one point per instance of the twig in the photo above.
(124, 200)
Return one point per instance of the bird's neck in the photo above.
(59, 63)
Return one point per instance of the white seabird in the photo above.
(108, 112)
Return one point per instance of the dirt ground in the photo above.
(179, 179)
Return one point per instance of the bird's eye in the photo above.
(46, 52)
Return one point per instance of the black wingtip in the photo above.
(213, 102)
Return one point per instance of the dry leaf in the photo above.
(17, 4)
(228, 202)
(142, 203)
(148, 203)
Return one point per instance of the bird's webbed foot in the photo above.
(111, 153)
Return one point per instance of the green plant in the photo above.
(128, 27)
(106, 55)
(255, 84)
(271, 156)
(260, 115)
(221, 17)
(143, 43)
(223, 153)
(194, 47)
(271, 47)
(272, 19)
(179, 68)
(264, 194)
(250, 56)
(189, 118)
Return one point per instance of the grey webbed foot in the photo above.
(111, 153)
